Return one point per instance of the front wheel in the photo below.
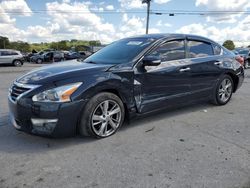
(224, 90)
(102, 116)
(17, 63)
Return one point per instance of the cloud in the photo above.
(159, 23)
(16, 6)
(110, 7)
(238, 33)
(161, 1)
(223, 5)
(8, 8)
(131, 4)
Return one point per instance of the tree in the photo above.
(4, 42)
(229, 44)
(94, 43)
(20, 46)
(62, 45)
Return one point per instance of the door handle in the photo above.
(185, 69)
(218, 63)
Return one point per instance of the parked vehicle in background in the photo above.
(245, 53)
(129, 77)
(239, 58)
(58, 56)
(76, 55)
(50, 56)
(12, 57)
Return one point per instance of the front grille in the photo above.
(17, 91)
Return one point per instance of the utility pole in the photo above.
(148, 11)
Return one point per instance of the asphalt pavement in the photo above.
(199, 146)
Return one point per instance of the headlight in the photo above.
(59, 94)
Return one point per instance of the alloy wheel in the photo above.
(17, 63)
(225, 90)
(106, 118)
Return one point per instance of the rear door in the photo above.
(205, 66)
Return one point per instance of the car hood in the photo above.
(60, 71)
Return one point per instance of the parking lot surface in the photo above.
(196, 146)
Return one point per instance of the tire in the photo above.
(39, 61)
(17, 63)
(98, 122)
(224, 88)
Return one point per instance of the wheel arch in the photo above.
(235, 80)
(120, 95)
(17, 60)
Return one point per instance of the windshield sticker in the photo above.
(134, 43)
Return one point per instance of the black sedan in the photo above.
(130, 77)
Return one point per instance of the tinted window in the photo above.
(122, 51)
(199, 49)
(82, 53)
(172, 50)
(6, 53)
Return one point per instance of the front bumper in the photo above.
(62, 117)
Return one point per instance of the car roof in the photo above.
(172, 35)
(9, 50)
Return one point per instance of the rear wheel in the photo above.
(103, 116)
(224, 90)
(17, 63)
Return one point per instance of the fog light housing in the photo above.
(43, 126)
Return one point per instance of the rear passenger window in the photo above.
(171, 50)
(6, 53)
(199, 49)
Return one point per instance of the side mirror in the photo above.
(151, 61)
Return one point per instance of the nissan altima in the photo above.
(129, 77)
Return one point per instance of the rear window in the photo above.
(199, 49)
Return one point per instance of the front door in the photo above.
(166, 84)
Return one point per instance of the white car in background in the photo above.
(13, 57)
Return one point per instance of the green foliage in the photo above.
(229, 44)
(21, 46)
(4, 42)
(78, 45)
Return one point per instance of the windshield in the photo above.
(122, 51)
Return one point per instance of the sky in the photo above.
(54, 20)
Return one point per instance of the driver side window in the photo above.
(169, 51)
